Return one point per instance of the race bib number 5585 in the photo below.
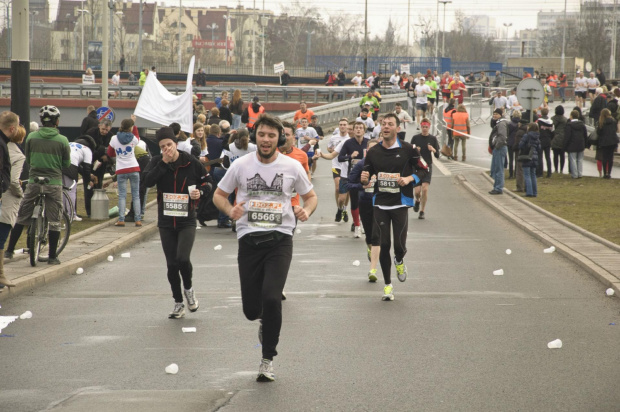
(176, 204)
(265, 214)
(387, 182)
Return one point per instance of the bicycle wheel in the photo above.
(65, 231)
(35, 230)
(66, 198)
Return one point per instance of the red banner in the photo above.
(208, 44)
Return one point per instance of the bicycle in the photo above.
(39, 227)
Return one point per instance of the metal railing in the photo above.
(331, 113)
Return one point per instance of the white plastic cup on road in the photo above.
(549, 249)
(126, 255)
(498, 272)
(555, 344)
(218, 247)
(298, 231)
(356, 263)
(26, 315)
(172, 369)
(189, 330)
(508, 251)
(79, 271)
(110, 258)
(610, 292)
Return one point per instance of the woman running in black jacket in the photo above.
(174, 172)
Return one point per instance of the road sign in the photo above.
(530, 93)
(278, 67)
(405, 68)
(105, 113)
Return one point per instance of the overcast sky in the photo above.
(522, 14)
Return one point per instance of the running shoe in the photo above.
(345, 216)
(368, 251)
(372, 275)
(358, 232)
(388, 293)
(401, 270)
(178, 311)
(339, 215)
(416, 206)
(77, 218)
(421, 215)
(265, 371)
(192, 303)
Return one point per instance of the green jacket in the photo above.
(373, 100)
(142, 79)
(47, 152)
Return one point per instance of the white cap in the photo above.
(368, 104)
(359, 72)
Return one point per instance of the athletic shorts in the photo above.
(421, 106)
(335, 172)
(342, 188)
(580, 94)
(592, 91)
(427, 177)
(446, 95)
(431, 100)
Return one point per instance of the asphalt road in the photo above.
(455, 338)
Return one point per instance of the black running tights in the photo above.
(398, 219)
(177, 245)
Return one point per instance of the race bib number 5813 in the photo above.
(387, 182)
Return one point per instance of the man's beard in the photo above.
(267, 156)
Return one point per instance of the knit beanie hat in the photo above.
(166, 133)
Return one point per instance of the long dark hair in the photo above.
(241, 139)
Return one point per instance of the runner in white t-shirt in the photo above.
(305, 133)
(334, 141)
(265, 219)
(593, 83)
(422, 90)
(581, 89)
(367, 120)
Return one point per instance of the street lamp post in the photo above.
(32, 14)
(563, 39)
(437, 32)
(443, 37)
(82, 11)
(366, 39)
(180, 40)
(507, 25)
(310, 33)
(264, 21)
(612, 56)
(140, 34)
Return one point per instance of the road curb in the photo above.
(85, 261)
(81, 234)
(584, 262)
(558, 219)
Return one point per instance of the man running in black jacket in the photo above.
(399, 168)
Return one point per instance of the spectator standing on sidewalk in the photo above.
(563, 84)
(575, 140)
(545, 126)
(557, 143)
(497, 142)
(607, 142)
(12, 160)
(530, 146)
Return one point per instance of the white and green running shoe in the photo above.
(401, 270)
(388, 293)
(372, 275)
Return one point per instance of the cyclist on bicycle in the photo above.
(81, 163)
(47, 152)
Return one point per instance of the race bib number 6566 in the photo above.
(387, 182)
(265, 214)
